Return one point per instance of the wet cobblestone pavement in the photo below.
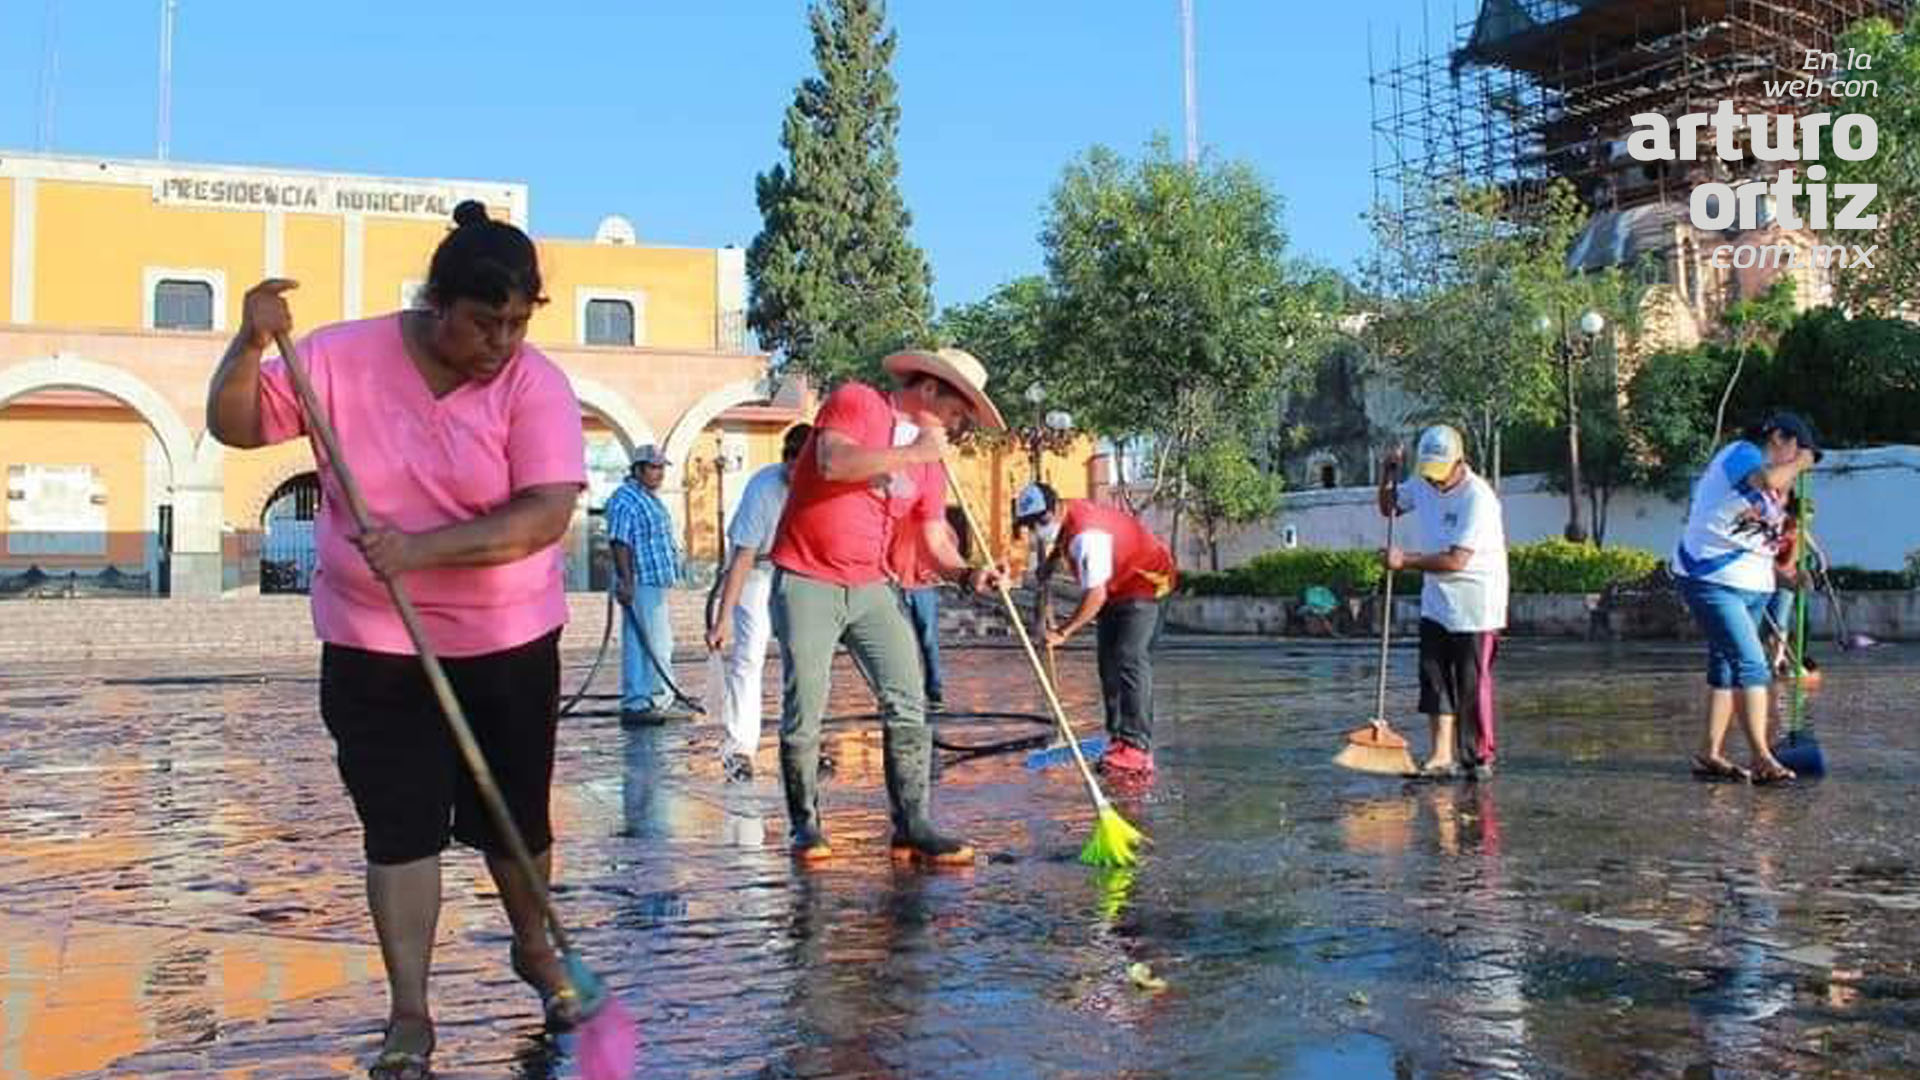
(180, 890)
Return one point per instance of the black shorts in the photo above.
(409, 784)
(1456, 679)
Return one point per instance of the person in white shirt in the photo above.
(1724, 567)
(1462, 551)
(740, 625)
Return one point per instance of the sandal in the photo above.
(559, 1005)
(1707, 768)
(1438, 773)
(1773, 773)
(397, 1064)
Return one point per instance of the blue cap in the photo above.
(1795, 427)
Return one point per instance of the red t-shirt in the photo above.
(840, 532)
(1142, 565)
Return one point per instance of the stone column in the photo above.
(196, 555)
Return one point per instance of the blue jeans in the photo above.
(923, 609)
(641, 687)
(1730, 618)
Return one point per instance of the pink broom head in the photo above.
(608, 1043)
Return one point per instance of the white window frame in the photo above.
(412, 293)
(586, 294)
(216, 280)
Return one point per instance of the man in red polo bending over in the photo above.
(1126, 571)
(874, 466)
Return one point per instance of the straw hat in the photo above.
(958, 369)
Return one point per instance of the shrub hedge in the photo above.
(1550, 566)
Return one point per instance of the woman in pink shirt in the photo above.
(467, 444)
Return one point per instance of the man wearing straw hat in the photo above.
(876, 465)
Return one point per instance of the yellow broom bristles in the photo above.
(1113, 841)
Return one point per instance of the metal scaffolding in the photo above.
(1534, 90)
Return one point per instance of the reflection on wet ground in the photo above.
(180, 891)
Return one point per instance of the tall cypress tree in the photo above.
(836, 283)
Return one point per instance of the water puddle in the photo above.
(180, 890)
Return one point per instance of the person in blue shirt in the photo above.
(1724, 566)
(646, 563)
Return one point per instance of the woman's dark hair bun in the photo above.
(483, 259)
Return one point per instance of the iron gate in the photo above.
(287, 552)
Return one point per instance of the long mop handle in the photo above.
(1798, 718)
(1843, 635)
(1386, 618)
(1026, 643)
(442, 689)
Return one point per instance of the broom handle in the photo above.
(1043, 618)
(442, 689)
(1839, 615)
(1800, 613)
(1386, 618)
(1026, 642)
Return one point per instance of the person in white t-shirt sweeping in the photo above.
(740, 625)
(1724, 567)
(1463, 603)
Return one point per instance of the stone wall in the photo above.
(1887, 616)
(1853, 490)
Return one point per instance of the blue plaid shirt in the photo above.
(637, 518)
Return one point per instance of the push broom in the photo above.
(1376, 747)
(606, 1032)
(1114, 838)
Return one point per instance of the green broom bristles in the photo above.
(1113, 841)
(1116, 886)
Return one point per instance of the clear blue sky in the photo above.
(664, 111)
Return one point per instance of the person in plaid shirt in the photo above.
(646, 562)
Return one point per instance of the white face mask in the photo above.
(1047, 533)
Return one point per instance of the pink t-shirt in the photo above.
(423, 463)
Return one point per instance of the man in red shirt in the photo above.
(874, 466)
(1126, 571)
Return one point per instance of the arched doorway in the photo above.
(89, 480)
(287, 550)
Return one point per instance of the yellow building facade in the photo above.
(121, 281)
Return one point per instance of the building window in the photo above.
(610, 317)
(184, 299)
(182, 305)
(609, 322)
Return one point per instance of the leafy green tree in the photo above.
(836, 283)
(1225, 488)
(1011, 332)
(1752, 322)
(1183, 314)
(1857, 379)
(1893, 281)
(1459, 328)
(1668, 400)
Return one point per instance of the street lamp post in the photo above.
(1036, 396)
(1591, 325)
